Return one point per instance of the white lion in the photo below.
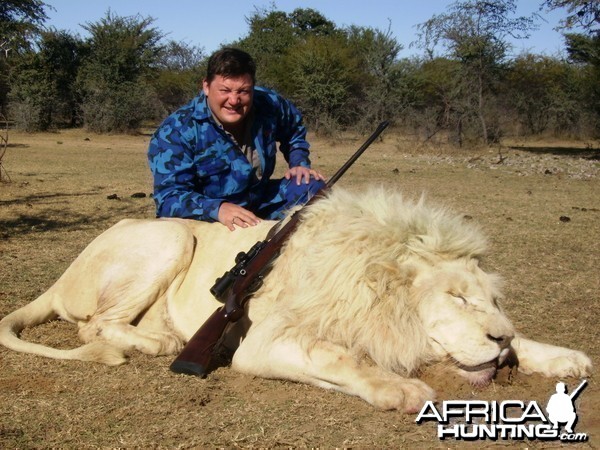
(368, 289)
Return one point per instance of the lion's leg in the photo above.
(113, 324)
(328, 366)
(550, 360)
(136, 280)
(113, 320)
(129, 337)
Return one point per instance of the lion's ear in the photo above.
(385, 276)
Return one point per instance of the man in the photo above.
(561, 409)
(213, 158)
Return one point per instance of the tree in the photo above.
(310, 22)
(21, 22)
(43, 92)
(274, 34)
(474, 32)
(543, 92)
(337, 76)
(180, 73)
(322, 77)
(180, 56)
(115, 78)
(582, 13)
(383, 89)
(270, 37)
(439, 104)
(584, 48)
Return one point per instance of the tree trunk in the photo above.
(480, 113)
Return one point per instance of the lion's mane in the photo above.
(345, 275)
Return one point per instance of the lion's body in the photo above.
(368, 289)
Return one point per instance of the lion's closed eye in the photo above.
(458, 298)
(496, 303)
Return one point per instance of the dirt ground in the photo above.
(537, 201)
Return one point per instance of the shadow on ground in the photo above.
(48, 220)
(586, 153)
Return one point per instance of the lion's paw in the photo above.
(576, 364)
(404, 394)
(170, 345)
(570, 364)
(550, 360)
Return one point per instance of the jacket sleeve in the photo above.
(292, 135)
(171, 162)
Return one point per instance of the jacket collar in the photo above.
(201, 110)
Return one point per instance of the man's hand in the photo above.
(232, 215)
(300, 173)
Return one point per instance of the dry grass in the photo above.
(57, 203)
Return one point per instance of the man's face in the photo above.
(230, 99)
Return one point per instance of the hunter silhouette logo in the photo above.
(510, 419)
(561, 406)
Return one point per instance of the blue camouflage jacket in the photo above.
(197, 166)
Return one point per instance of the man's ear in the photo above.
(205, 86)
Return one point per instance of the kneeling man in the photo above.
(213, 158)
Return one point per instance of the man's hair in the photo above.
(230, 62)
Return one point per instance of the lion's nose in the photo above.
(503, 341)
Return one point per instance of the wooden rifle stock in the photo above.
(196, 355)
(237, 285)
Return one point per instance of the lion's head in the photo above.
(459, 310)
(395, 280)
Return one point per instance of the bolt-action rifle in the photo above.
(238, 284)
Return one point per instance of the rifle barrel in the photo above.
(342, 170)
(576, 392)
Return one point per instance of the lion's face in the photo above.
(462, 319)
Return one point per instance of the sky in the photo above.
(209, 24)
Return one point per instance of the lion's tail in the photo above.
(41, 311)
